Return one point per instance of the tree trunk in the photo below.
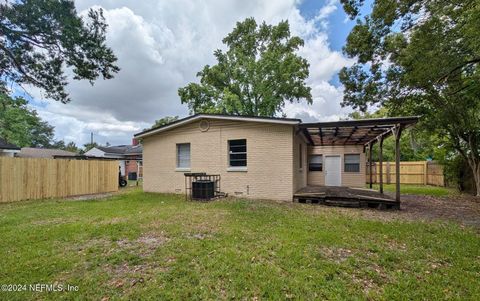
(475, 166)
(476, 176)
(470, 154)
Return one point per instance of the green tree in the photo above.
(420, 57)
(22, 126)
(416, 144)
(41, 38)
(72, 147)
(163, 121)
(255, 76)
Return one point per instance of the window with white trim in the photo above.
(183, 155)
(315, 163)
(352, 162)
(237, 153)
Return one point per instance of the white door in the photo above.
(333, 171)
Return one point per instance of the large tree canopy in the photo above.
(22, 126)
(420, 57)
(163, 121)
(416, 144)
(255, 76)
(40, 38)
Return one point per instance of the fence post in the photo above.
(370, 163)
(387, 171)
(425, 170)
(398, 133)
(380, 162)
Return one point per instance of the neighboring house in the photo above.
(129, 156)
(260, 157)
(8, 149)
(49, 153)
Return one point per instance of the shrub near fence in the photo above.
(415, 172)
(34, 178)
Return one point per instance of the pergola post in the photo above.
(380, 161)
(398, 133)
(370, 163)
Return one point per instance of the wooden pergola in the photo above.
(365, 132)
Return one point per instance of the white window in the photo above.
(315, 163)
(183, 155)
(352, 163)
(237, 153)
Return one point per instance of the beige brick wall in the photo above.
(269, 172)
(351, 179)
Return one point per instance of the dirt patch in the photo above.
(461, 209)
(337, 255)
(113, 221)
(126, 275)
(366, 284)
(396, 246)
(194, 223)
(93, 243)
(98, 196)
(199, 236)
(371, 278)
(54, 221)
(145, 245)
(87, 197)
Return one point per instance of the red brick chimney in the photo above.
(134, 141)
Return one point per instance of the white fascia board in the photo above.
(230, 118)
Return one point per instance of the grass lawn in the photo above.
(152, 246)
(419, 189)
(134, 183)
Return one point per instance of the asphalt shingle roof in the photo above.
(122, 149)
(32, 152)
(5, 145)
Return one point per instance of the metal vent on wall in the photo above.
(204, 125)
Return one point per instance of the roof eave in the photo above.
(217, 117)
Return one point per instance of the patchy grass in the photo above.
(156, 246)
(419, 189)
(131, 183)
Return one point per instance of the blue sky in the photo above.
(339, 28)
(161, 45)
(340, 24)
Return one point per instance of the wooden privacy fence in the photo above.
(415, 172)
(34, 178)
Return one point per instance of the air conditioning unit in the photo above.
(203, 190)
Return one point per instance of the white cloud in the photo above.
(161, 45)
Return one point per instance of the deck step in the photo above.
(342, 203)
(347, 202)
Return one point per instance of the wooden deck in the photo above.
(345, 197)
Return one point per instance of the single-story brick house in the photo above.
(129, 157)
(261, 157)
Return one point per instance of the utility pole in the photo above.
(91, 138)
